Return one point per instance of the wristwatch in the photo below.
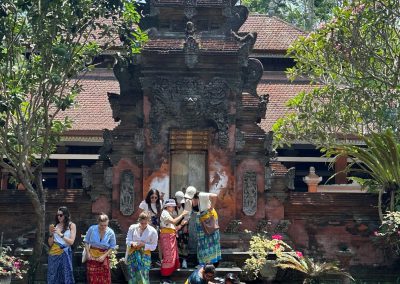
(62, 236)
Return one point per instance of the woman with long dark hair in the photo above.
(152, 205)
(61, 237)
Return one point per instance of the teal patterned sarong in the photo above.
(139, 267)
(208, 246)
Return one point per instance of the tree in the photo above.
(305, 14)
(46, 47)
(354, 63)
(380, 161)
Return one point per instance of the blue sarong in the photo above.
(59, 267)
(208, 246)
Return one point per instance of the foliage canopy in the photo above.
(46, 47)
(354, 62)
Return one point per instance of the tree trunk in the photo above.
(380, 205)
(38, 203)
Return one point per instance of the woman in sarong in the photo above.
(99, 243)
(61, 238)
(208, 244)
(168, 242)
(141, 240)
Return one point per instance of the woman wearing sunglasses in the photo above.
(61, 238)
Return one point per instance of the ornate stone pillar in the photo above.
(312, 180)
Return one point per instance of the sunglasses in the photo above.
(153, 197)
(60, 215)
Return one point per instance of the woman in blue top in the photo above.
(99, 242)
(61, 238)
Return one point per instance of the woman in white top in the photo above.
(61, 238)
(152, 205)
(141, 240)
(208, 243)
(168, 242)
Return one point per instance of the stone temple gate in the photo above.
(188, 111)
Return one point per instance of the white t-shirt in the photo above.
(166, 220)
(143, 205)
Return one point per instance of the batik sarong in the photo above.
(139, 262)
(59, 268)
(208, 246)
(98, 272)
(169, 247)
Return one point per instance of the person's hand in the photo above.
(101, 258)
(57, 231)
(134, 244)
(141, 245)
(185, 212)
(51, 229)
(184, 222)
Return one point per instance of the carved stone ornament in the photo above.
(191, 46)
(126, 194)
(289, 178)
(240, 141)
(190, 12)
(107, 145)
(250, 193)
(269, 173)
(139, 140)
(87, 179)
(253, 74)
(108, 175)
(270, 153)
(188, 103)
(239, 15)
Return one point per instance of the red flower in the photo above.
(277, 246)
(277, 237)
(299, 254)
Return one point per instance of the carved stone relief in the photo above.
(189, 102)
(126, 195)
(250, 193)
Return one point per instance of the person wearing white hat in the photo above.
(168, 242)
(207, 229)
(183, 234)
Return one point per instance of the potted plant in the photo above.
(10, 266)
(288, 258)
